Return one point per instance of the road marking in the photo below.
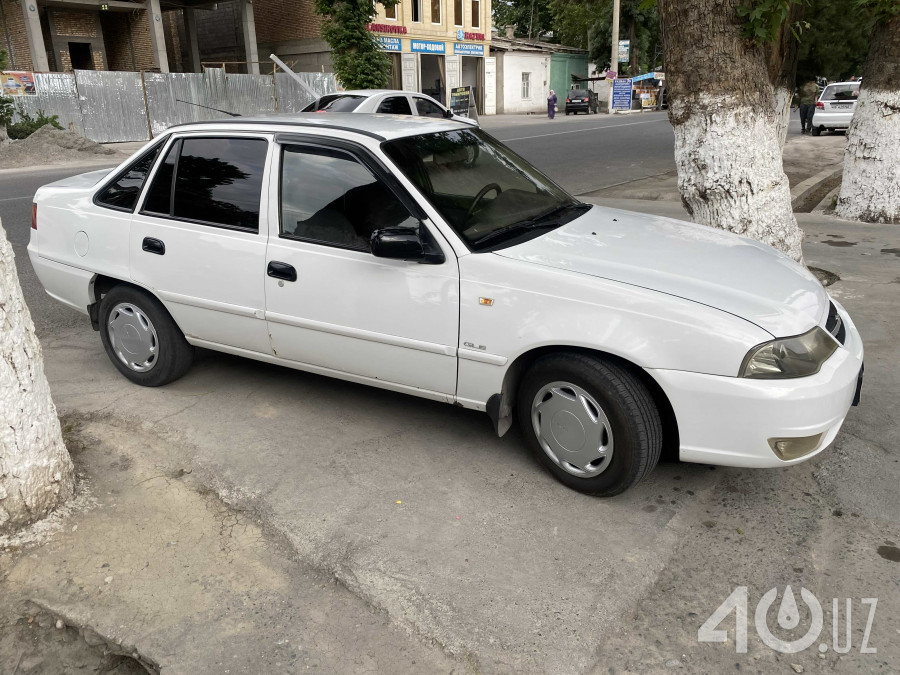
(12, 199)
(575, 131)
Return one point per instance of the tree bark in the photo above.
(782, 64)
(721, 105)
(36, 473)
(870, 190)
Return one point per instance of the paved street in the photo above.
(462, 540)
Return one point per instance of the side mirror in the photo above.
(402, 243)
(448, 114)
(406, 243)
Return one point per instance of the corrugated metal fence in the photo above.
(115, 106)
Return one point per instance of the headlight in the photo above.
(785, 358)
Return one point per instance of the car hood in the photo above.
(716, 268)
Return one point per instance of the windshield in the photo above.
(480, 186)
(841, 92)
(336, 103)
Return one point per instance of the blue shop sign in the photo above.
(621, 94)
(467, 49)
(390, 44)
(426, 46)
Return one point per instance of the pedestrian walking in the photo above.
(551, 105)
(809, 92)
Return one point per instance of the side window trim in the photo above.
(113, 179)
(178, 139)
(164, 150)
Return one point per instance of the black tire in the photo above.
(816, 131)
(174, 354)
(628, 405)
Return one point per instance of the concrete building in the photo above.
(528, 69)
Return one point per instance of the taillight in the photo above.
(568, 101)
(33, 216)
(821, 105)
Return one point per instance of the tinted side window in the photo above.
(123, 193)
(329, 197)
(395, 105)
(219, 181)
(159, 196)
(428, 109)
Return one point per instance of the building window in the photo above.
(436, 11)
(417, 10)
(526, 85)
(476, 13)
(457, 13)
(390, 12)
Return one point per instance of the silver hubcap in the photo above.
(572, 429)
(133, 337)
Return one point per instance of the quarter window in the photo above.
(328, 197)
(476, 13)
(395, 105)
(123, 193)
(217, 181)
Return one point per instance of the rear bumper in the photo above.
(729, 420)
(577, 107)
(832, 120)
(70, 285)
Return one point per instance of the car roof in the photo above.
(376, 125)
(374, 92)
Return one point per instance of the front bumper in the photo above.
(729, 420)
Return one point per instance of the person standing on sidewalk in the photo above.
(809, 92)
(551, 105)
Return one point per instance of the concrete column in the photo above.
(157, 35)
(35, 35)
(190, 29)
(249, 26)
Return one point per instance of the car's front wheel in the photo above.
(590, 421)
(141, 339)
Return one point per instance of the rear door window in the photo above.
(428, 108)
(214, 181)
(122, 194)
(395, 105)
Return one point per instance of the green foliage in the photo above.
(763, 19)
(6, 106)
(530, 17)
(28, 124)
(880, 10)
(359, 62)
(837, 40)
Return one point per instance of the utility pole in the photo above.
(614, 51)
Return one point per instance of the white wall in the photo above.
(510, 83)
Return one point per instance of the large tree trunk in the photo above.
(36, 473)
(782, 63)
(870, 190)
(721, 104)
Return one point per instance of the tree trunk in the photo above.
(721, 105)
(36, 473)
(783, 54)
(870, 190)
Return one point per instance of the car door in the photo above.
(330, 303)
(198, 241)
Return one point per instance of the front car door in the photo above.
(330, 303)
(197, 240)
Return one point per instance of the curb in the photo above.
(802, 190)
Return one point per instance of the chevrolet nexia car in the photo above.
(425, 257)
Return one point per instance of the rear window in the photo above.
(841, 92)
(578, 93)
(336, 103)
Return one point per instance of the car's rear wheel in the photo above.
(590, 421)
(816, 131)
(141, 339)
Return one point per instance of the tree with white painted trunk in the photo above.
(721, 105)
(36, 473)
(870, 190)
(784, 50)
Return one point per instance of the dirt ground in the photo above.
(48, 146)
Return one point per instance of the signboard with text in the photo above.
(621, 94)
(17, 83)
(426, 46)
(466, 49)
(460, 99)
(624, 50)
(390, 44)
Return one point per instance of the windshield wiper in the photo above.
(540, 220)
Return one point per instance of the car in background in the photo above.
(582, 100)
(385, 101)
(835, 107)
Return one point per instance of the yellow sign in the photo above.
(17, 83)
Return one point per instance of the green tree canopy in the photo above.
(835, 44)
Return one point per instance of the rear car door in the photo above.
(198, 240)
(329, 302)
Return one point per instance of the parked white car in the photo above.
(387, 102)
(835, 107)
(425, 257)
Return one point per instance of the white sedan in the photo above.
(423, 256)
(387, 102)
(835, 107)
